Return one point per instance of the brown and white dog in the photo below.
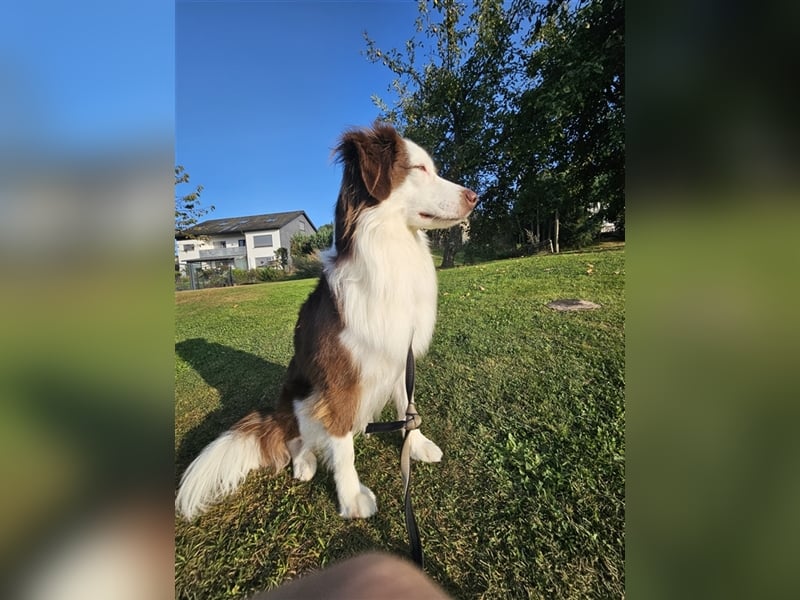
(377, 296)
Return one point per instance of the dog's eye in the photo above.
(422, 168)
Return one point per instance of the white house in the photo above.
(240, 242)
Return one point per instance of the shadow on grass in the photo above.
(374, 536)
(245, 383)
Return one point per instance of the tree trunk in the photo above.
(452, 241)
(557, 224)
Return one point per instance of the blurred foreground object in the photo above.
(373, 575)
(86, 171)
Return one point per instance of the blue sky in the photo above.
(253, 94)
(264, 89)
(79, 75)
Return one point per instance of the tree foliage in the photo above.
(448, 100)
(524, 103)
(188, 210)
(570, 119)
(303, 244)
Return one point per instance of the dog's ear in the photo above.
(375, 151)
(371, 160)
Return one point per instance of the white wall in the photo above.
(231, 241)
(184, 255)
(253, 253)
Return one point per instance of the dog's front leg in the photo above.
(355, 500)
(422, 448)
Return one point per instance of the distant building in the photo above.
(606, 226)
(239, 242)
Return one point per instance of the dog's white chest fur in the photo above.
(387, 296)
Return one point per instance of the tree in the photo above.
(187, 206)
(570, 120)
(524, 103)
(449, 103)
(283, 257)
(303, 244)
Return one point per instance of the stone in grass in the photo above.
(572, 304)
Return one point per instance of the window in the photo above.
(221, 244)
(188, 247)
(302, 225)
(242, 243)
(262, 241)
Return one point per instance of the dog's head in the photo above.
(381, 168)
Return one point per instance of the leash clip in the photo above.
(413, 420)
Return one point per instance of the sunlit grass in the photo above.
(526, 403)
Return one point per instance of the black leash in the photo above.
(412, 421)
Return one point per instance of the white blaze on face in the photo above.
(431, 202)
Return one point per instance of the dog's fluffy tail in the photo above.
(254, 442)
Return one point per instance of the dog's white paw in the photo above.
(361, 506)
(424, 450)
(304, 466)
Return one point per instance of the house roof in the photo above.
(242, 224)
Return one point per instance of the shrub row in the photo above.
(244, 277)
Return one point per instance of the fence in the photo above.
(199, 278)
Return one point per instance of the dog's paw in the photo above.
(304, 466)
(424, 450)
(361, 506)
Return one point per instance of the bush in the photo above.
(269, 274)
(304, 243)
(307, 266)
(214, 277)
(262, 274)
(182, 282)
(282, 255)
(244, 276)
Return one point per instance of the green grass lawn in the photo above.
(527, 404)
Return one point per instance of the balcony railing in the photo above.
(223, 253)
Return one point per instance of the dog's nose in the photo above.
(470, 197)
